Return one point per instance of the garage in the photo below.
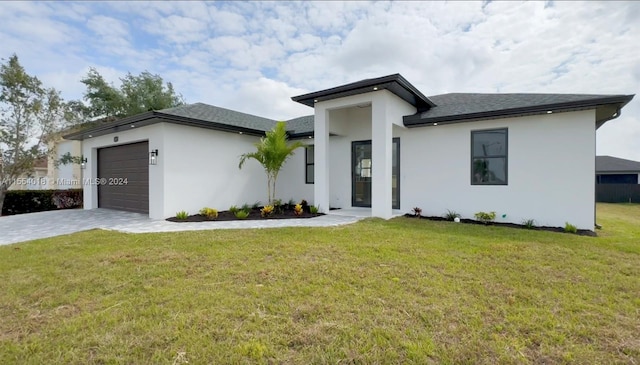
(123, 173)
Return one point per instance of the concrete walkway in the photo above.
(27, 227)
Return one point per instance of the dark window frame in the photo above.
(505, 156)
(307, 164)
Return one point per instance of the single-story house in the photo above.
(614, 170)
(377, 143)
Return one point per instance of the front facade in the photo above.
(378, 144)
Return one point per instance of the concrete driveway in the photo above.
(27, 227)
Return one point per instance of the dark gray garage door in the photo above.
(124, 174)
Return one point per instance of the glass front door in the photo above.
(361, 172)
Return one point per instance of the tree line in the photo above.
(33, 115)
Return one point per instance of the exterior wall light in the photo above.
(83, 163)
(153, 157)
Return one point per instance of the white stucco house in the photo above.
(377, 143)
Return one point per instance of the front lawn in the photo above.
(399, 291)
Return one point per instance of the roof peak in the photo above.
(395, 83)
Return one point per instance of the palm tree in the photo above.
(272, 152)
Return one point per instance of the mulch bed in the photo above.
(253, 216)
(581, 232)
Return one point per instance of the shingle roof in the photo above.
(615, 164)
(200, 115)
(215, 114)
(301, 125)
(394, 83)
(464, 107)
(445, 108)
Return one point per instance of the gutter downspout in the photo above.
(595, 190)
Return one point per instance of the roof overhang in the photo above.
(152, 117)
(607, 108)
(394, 83)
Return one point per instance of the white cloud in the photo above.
(253, 56)
(268, 98)
(112, 33)
(179, 29)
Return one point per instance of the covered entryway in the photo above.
(388, 99)
(123, 176)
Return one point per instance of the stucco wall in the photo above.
(550, 163)
(154, 134)
(202, 170)
(64, 176)
(291, 180)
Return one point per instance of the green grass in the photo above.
(399, 291)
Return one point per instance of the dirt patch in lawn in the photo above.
(581, 232)
(254, 214)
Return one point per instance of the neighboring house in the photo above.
(64, 176)
(617, 180)
(613, 170)
(36, 180)
(377, 143)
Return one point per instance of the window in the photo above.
(489, 157)
(308, 163)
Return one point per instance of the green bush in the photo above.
(31, 201)
(246, 207)
(313, 209)
(182, 215)
(241, 214)
(570, 228)
(278, 207)
(234, 209)
(485, 217)
(529, 223)
(451, 215)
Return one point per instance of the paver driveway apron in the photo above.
(26, 227)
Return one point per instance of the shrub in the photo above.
(277, 206)
(241, 214)
(210, 213)
(570, 228)
(30, 201)
(256, 205)
(485, 217)
(451, 215)
(297, 209)
(246, 207)
(266, 211)
(313, 209)
(64, 199)
(305, 205)
(291, 203)
(529, 223)
(182, 215)
(234, 209)
(417, 211)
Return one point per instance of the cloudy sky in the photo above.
(253, 56)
